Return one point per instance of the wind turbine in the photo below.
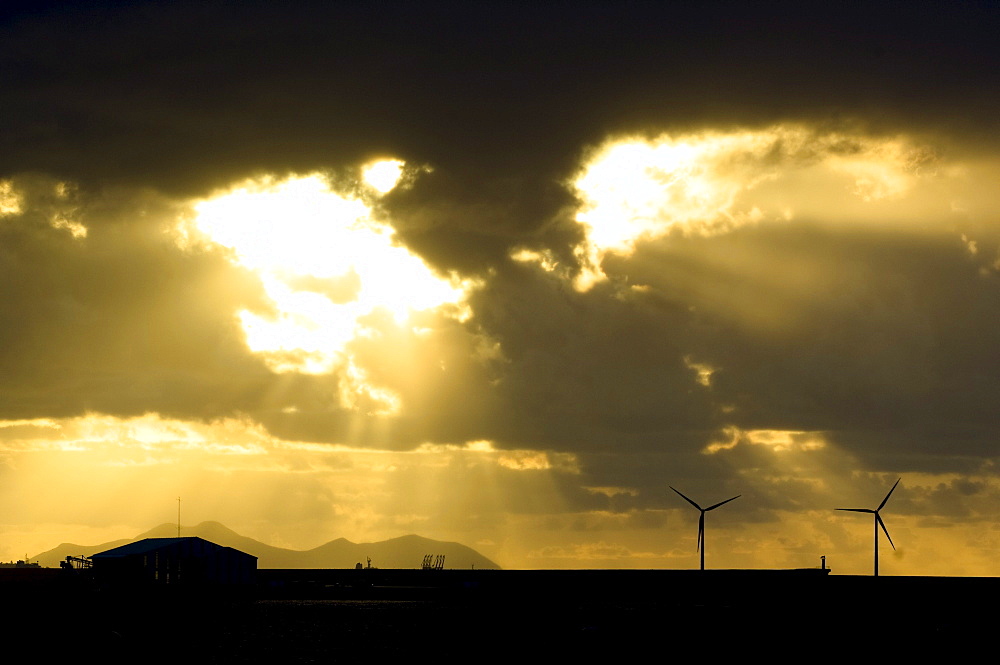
(701, 521)
(878, 522)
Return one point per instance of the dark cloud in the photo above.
(461, 221)
(502, 99)
(180, 95)
(589, 369)
(824, 329)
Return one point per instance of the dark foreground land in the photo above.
(533, 616)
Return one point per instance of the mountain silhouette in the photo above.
(402, 552)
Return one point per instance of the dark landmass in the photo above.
(402, 552)
(299, 616)
(343, 614)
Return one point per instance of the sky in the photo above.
(504, 274)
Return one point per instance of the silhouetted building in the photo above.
(188, 562)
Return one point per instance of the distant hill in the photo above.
(402, 552)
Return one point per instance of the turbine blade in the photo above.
(878, 518)
(857, 510)
(887, 495)
(685, 498)
(722, 502)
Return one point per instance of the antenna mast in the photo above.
(178, 517)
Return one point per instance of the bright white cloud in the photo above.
(325, 265)
(710, 182)
(383, 175)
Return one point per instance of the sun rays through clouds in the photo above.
(325, 265)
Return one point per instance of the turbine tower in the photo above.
(701, 521)
(878, 522)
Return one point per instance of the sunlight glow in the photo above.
(325, 264)
(703, 371)
(543, 259)
(614, 491)
(601, 551)
(129, 472)
(76, 229)
(524, 462)
(147, 432)
(709, 182)
(28, 422)
(10, 200)
(383, 175)
(777, 440)
(480, 446)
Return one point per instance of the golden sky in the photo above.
(503, 277)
